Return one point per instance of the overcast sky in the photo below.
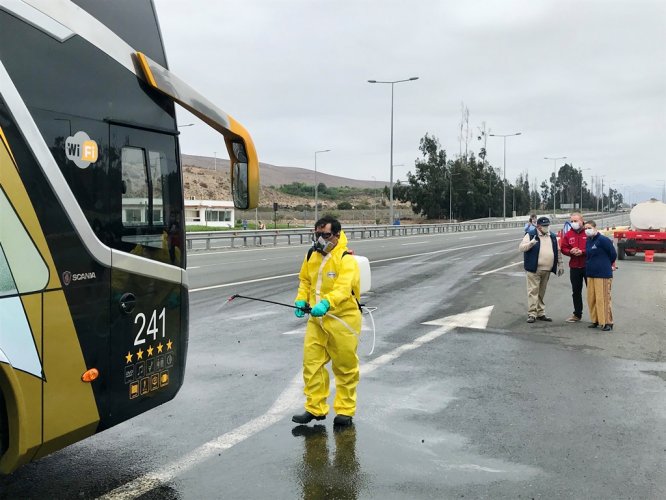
(582, 79)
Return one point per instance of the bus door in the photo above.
(147, 336)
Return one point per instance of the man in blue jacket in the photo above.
(541, 257)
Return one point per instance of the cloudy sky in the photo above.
(584, 79)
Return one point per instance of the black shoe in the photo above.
(544, 318)
(531, 319)
(607, 328)
(342, 421)
(593, 325)
(306, 418)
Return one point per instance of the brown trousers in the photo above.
(536, 290)
(599, 300)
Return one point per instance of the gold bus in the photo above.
(93, 281)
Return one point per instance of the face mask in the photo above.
(590, 232)
(575, 226)
(544, 230)
(323, 246)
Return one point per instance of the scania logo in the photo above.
(68, 277)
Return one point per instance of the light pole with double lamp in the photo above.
(393, 82)
(504, 136)
(317, 185)
(554, 175)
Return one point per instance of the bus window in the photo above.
(157, 163)
(135, 187)
(150, 194)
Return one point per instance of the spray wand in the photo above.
(238, 296)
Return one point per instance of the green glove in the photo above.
(320, 308)
(300, 304)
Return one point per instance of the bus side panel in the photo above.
(147, 345)
(31, 386)
(70, 412)
(57, 342)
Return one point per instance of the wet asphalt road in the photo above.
(549, 410)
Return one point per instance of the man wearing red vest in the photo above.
(573, 245)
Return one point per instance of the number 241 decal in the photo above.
(152, 327)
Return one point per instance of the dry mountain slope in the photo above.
(208, 178)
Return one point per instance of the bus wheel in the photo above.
(4, 427)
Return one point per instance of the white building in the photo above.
(212, 213)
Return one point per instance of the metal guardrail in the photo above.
(216, 240)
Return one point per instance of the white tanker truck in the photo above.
(647, 233)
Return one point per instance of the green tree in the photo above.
(427, 188)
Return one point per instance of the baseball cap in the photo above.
(543, 221)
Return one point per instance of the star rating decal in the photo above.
(149, 352)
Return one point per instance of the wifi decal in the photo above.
(81, 149)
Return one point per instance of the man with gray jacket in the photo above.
(541, 257)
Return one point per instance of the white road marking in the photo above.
(414, 243)
(445, 250)
(268, 278)
(500, 268)
(435, 252)
(290, 398)
(471, 467)
(468, 237)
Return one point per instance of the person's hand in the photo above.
(533, 240)
(320, 308)
(560, 270)
(300, 304)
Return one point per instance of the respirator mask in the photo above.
(321, 243)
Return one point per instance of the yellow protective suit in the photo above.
(332, 277)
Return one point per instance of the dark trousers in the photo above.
(577, 276)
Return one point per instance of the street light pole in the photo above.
(450, 195)
(554, 174)
(375, 203)
(581, 187)
(393, 82)
(317, 185)
(504, 136)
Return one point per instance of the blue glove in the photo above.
(300, 304)
(320, 308)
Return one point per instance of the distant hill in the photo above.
(207, 178)
(272, 175)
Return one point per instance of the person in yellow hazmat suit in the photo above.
(330, 285)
